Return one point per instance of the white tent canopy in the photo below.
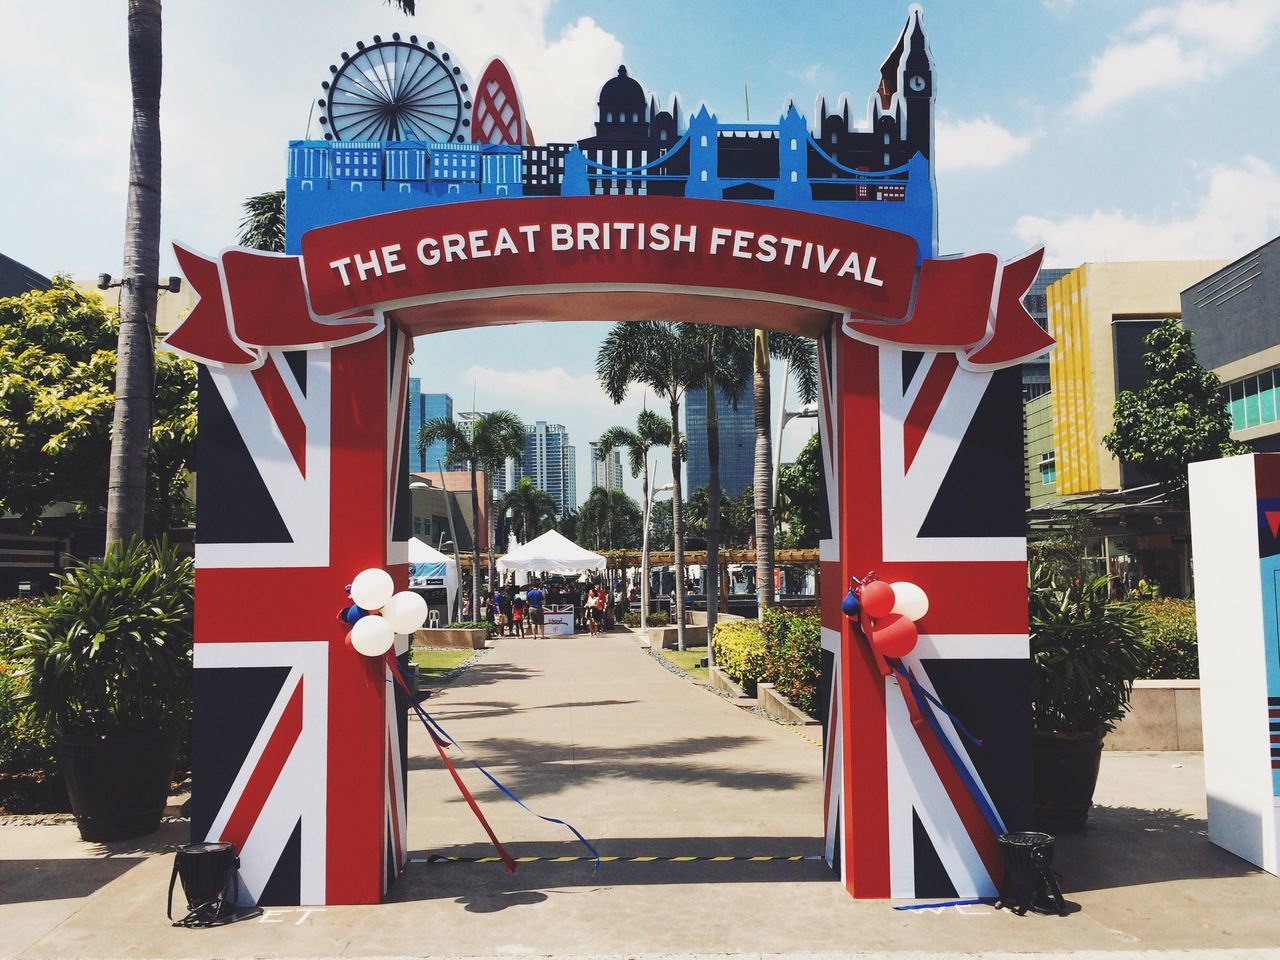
(552, 552)
(428, 567)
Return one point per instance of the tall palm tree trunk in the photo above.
(475, 545)
(677, 519)
(644, 548)
(135, 360)
(762, 475)
(711, 571)
(488, 522)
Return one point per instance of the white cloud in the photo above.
(981, 144)
(1239, 210)
(1175, 45)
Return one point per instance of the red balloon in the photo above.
(878, 599)
(894, 636)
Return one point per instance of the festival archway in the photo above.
(828, 232)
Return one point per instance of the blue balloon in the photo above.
(850, 604)
(353, 613)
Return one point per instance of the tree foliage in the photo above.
(609, 520)
(263, 225)
(1177, 418)
(800, 497)
(532, 510)
(57, 395)
(737, 516)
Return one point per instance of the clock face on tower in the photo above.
(916, 83)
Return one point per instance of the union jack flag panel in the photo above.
(921, 469)
(299, 750)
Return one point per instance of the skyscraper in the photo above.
(424, 407)
(606, 471)
(550, 461)
(737, 441)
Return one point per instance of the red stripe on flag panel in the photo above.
(230, 609)
(934, 388)
(865, 829)
(357, 684)
(975, 824)
(263, 779)
(283, 410)
(958, 594)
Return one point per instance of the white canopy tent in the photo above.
(428, 567)
(553, 553)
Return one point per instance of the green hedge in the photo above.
(1170, 628)
(793, 656)
(740, 652)
(658, 619)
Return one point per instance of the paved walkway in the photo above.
(647, 764)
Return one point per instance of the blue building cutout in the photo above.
(876, 173)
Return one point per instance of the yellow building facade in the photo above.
(1087, 309)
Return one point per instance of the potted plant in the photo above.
(108, 665)
(1086, 652)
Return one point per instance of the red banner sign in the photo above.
(252, 302)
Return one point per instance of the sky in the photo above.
(1102, 129)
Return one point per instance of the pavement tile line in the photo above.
(793, 858)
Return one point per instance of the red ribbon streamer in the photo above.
(462, 787)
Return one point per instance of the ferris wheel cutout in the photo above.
(396, 90)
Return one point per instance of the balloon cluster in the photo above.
(887, 612)
(377, 613)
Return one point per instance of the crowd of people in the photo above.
(519, 611)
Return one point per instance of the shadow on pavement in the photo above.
(534, 768)
(1131, 846)
(31, 881)
(487, 887)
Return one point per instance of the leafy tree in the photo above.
(568, 525)
(263, 225)
(651, 352)
(1177, 418)
(736, 516)
(609, 520)
(494, 438)
(800, 496)
(652, 430)
(532, 510)
(661, 520)
(57, 368)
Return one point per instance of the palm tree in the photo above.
(532, 510)
(801, 355)
(609, 519)
(263, 225)
(652, 352)
(139, 285)
(495, 437)
(720, 366)
(652, 430)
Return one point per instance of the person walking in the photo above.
(591, 610)
(537, 616)
(517, 615)
(500, 612)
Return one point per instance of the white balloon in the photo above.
(372, 635)
(406, 611)
(909, 600)
(372, 588)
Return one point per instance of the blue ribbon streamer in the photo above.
(973, 901)
(439, 734)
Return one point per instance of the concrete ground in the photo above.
(647, 764)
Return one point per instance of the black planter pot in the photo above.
(1066, 771)
(118, 781)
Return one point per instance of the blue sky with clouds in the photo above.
(1104, 129)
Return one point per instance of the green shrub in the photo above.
(739, 650)
(793, 656)
(1086, 652)
(1169, 629)
(659, 619)
(112, 648)
(25, 744)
